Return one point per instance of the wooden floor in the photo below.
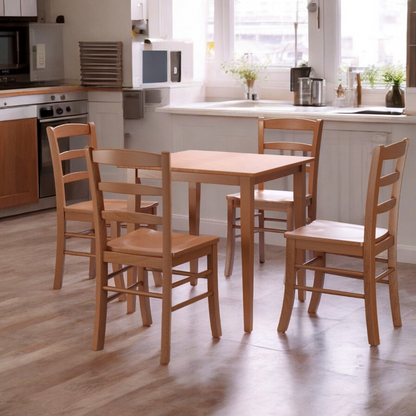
(322, 366)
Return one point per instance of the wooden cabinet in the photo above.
(18, 162)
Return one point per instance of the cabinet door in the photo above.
(18, 162)
(12, 8)
(28, 7)
(1, 7)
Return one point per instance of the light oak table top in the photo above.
(244, 170)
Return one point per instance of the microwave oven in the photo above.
(14, 52)
(30, 52)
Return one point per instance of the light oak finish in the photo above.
(271, 199)
(244, 170)
(366, 242)
(18, 162)
(47, 366)
(145, 248)
(79, 211)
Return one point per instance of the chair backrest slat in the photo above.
(132, 217)
(129, 188)
(55, 136)
(291, 146)
(117, 157)
(75, 177)
(386, 206)
(389, 179)
(72, 154)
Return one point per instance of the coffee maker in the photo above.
(295, 74)
(307, 91)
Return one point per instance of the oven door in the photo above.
(73, 192)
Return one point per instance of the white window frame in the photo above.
(323, 46)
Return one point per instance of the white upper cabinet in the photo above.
(18, 8)
(28, 7)
(138, 9)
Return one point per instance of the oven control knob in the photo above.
(52, 97)
(59, 111)
(68, 109)
(63, 97)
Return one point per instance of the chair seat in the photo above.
(322, 231)
(85, 207)
(268, 196)
(149, 242)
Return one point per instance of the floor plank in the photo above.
(321, 366)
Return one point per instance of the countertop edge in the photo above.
(52, 90)
(200, 110)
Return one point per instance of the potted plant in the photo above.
(244, 70)
(394, 76)
(371, 74)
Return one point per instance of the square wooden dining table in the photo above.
(244, 170)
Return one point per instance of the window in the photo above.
(336, 33)
(373, 32)
(272, 30)
(269, 30)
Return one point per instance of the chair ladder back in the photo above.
(377, 180)
(129, 160)
(313, 149)
(55, 134)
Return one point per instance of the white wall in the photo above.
(88, 20)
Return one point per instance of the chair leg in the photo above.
(157, 276)
(158, 279)
(213, 301)
(92, 269)
(115, 228)
(262, 256)
(370, 302)
(100, 307)
(394, 288)
(230, 250)
(318, 282)
(131, 299)
(119, 279)
(290, 280)
(60, 249)
(144, 301)
(166, 317)
(290, 225)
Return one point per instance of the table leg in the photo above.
(247, 249)
(194, 201)
(299, 192)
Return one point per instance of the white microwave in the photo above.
(162, 62)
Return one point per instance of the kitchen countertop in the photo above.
(272, 108)
(41, 90)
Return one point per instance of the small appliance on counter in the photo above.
(307, 91)
(30, 54)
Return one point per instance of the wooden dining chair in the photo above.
(365, 242)
(147, 249)
(78, 211)
(276, 200)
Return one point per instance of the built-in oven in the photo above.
(61, 110)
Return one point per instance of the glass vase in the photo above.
(395, 97)
(248, 86)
